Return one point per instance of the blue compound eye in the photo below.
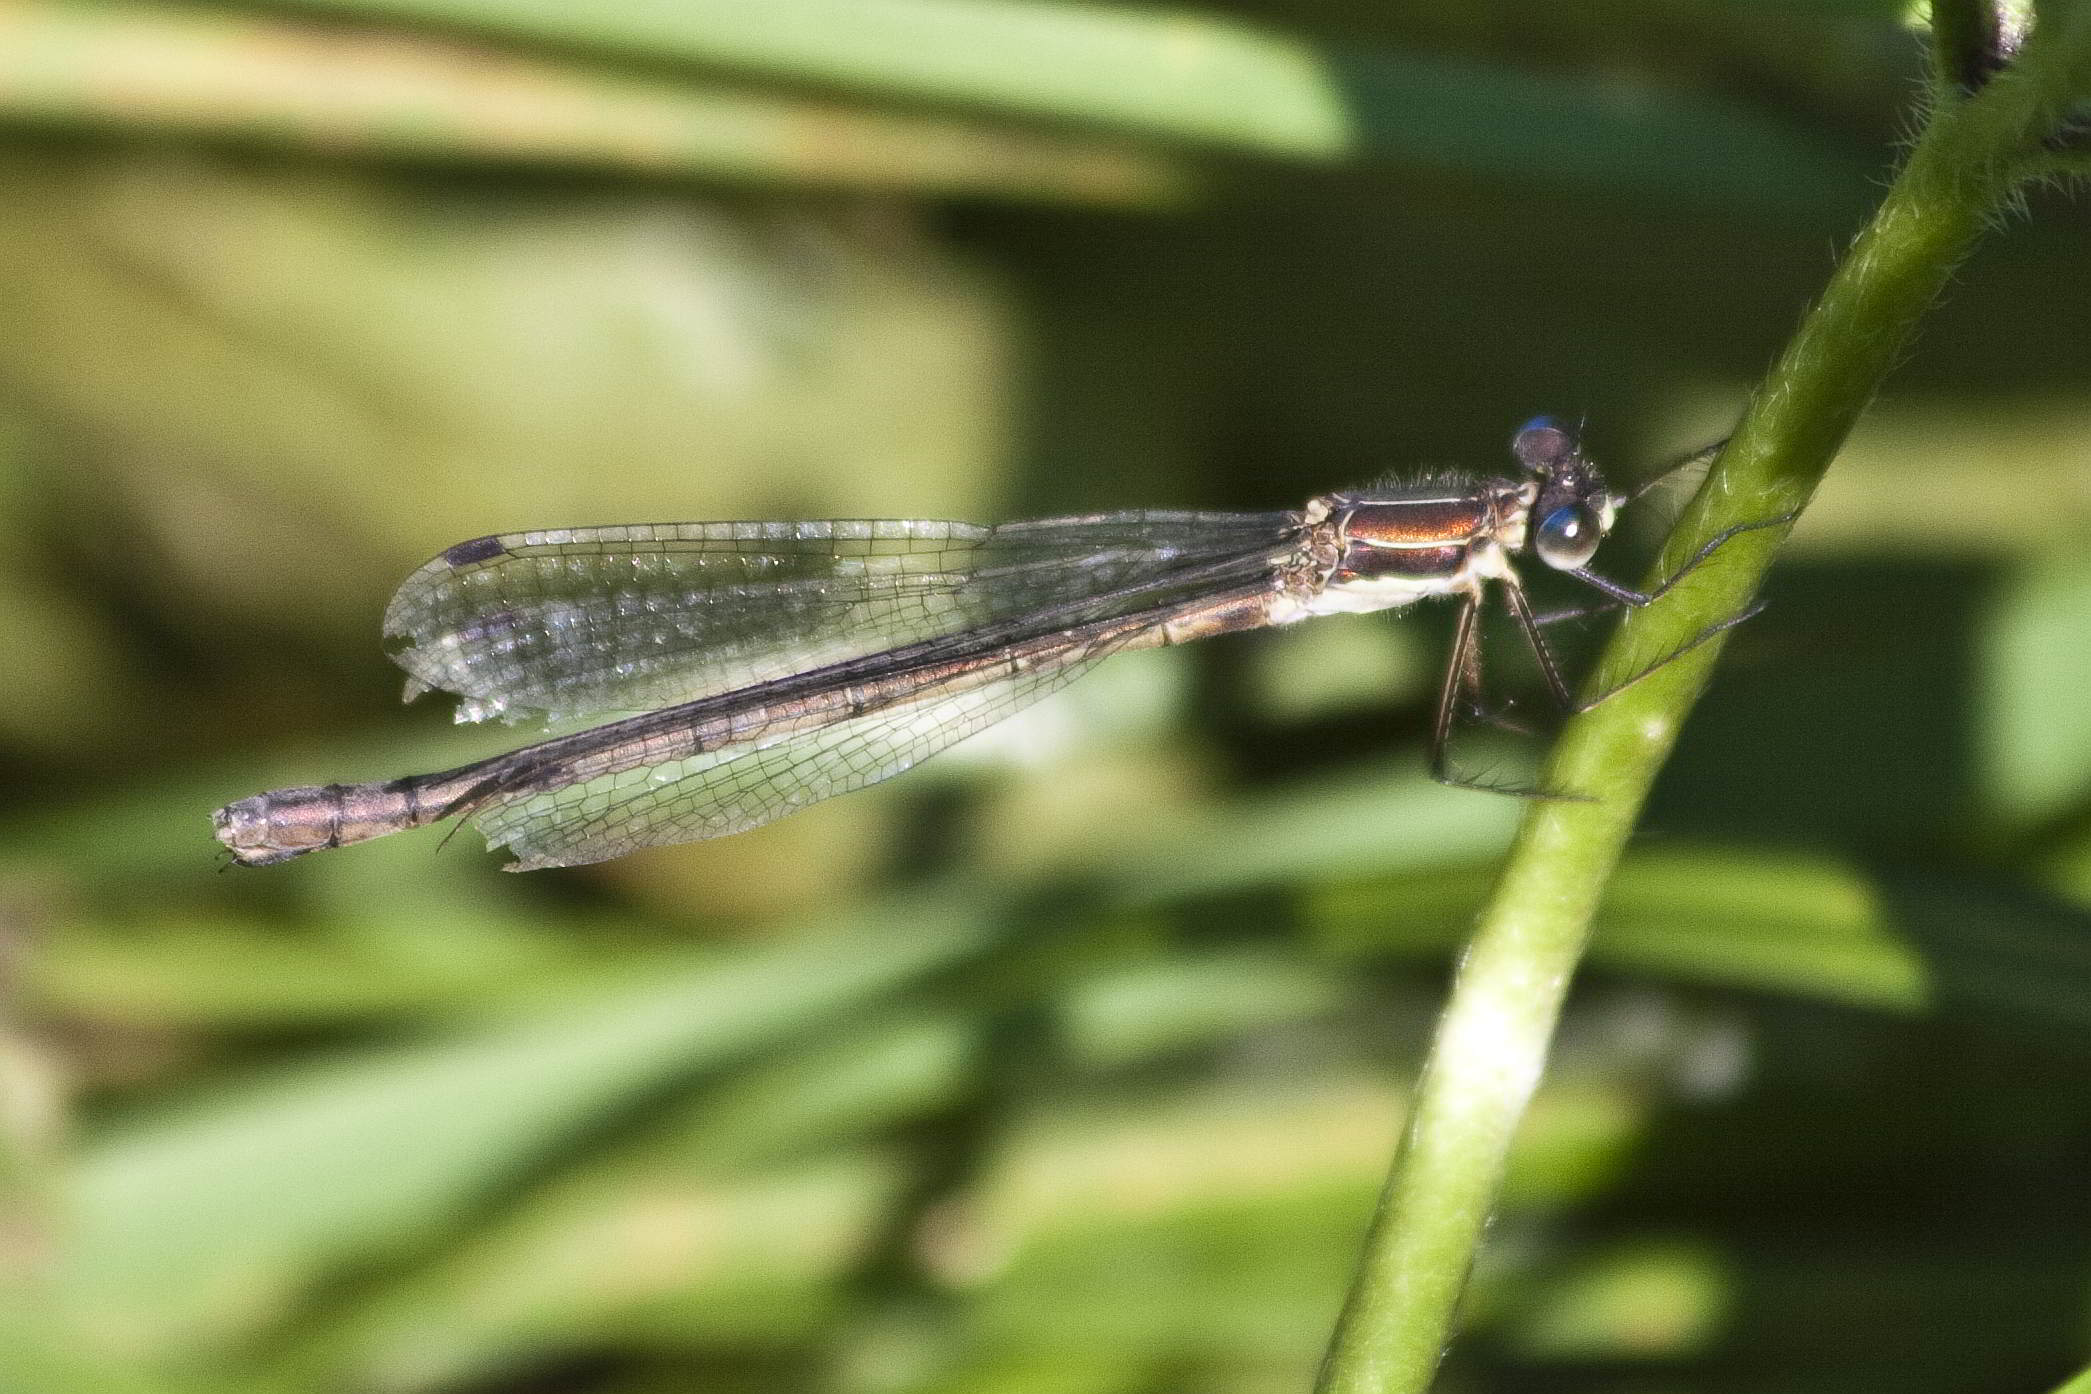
(1542, 444)
(1568, 536)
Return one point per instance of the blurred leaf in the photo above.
(1337, 663)
(1934, 481)
(729, 1219)
(332, 89)
(1809, 926)
(41, 1351)
(303, 1156)
(246, 975)
(1790, 922)
(71, 684)
(1186, 76)
(1210, 1220)
(1225, 1223)
(2036, 744)
(1526, 128)
(834, 1086)
(322, 340)
(1114, 1018)
(1996, 948)
(1785, 922)
(1183, 74)
(1316, 831)
(43, 1347)
(192, 1226)
(748, 1260)
(1646, 1300)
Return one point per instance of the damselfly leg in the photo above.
(1626, 597)
(1462, 676)
(1568, 514)
(1464, 690)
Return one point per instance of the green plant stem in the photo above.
(1492, 1042)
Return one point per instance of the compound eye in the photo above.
(1568, 536)
(1542, 443)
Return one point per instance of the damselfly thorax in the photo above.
(750, 669)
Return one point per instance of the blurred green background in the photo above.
(1071, 1062)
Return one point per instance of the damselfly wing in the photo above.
(751, 669)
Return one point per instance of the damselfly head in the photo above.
(1572, 510)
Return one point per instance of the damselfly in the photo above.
(767, 666)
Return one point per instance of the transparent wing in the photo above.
(1663, 495)
(587, 621)
(734, 789)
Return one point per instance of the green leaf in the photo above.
(1763, 921)
(375, 91)
(191, 1225)
(1795, 923)
(1790, 922)
(2037, 666)
(1185, 75)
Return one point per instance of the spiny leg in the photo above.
(1521, 608)
(1649, 670)
(1461, 669)
(1627, 595)
(1633, 599)
(1462, 673)
(1473, 684)
(1547, 619)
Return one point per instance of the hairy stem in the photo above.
(1492, 1041)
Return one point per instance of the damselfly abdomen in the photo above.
(756, 668)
